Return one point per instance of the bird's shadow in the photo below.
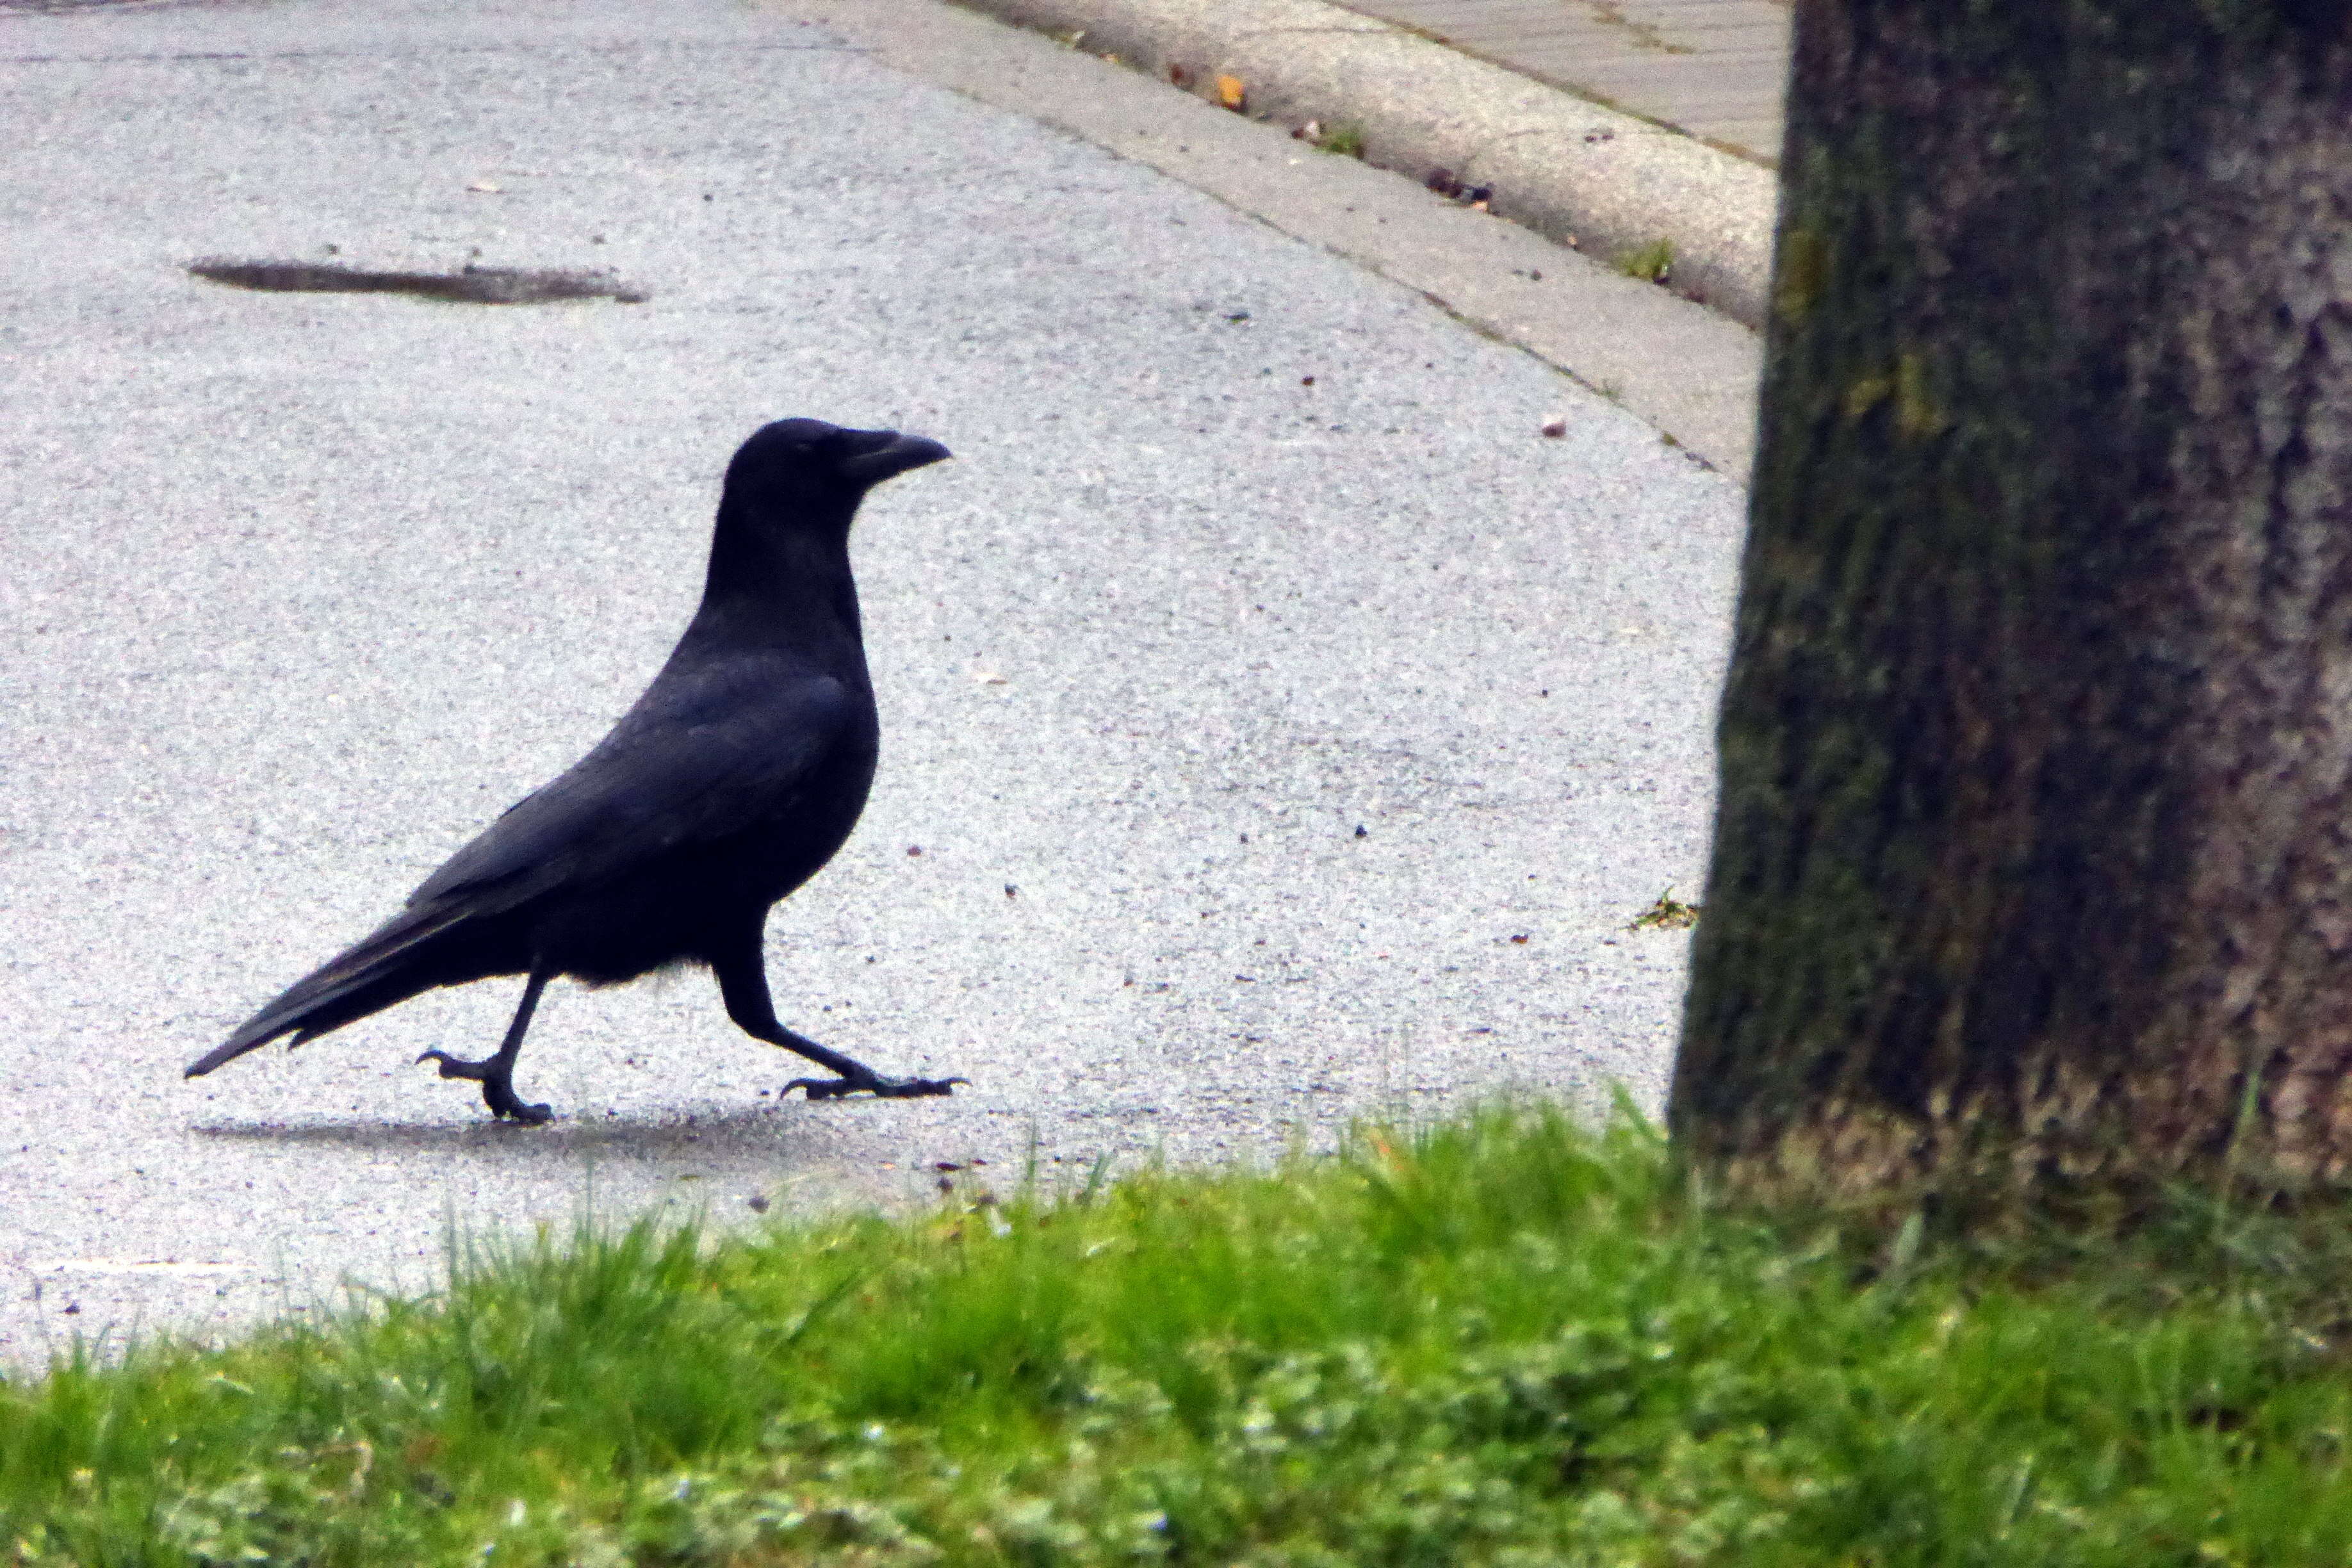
(699, 1134)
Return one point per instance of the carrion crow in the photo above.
(735, 776)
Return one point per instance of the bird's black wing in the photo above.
(704, 754)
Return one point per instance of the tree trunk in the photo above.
(2034, 857)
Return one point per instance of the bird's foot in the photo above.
(497, 1079)
(872, 1083)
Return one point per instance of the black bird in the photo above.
(737, 775)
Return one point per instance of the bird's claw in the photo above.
(498, 1088)
(509, 1107)
(873, 1084)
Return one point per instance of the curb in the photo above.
(1576, 172)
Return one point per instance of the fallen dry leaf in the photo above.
(1231, 93)
(487, 187)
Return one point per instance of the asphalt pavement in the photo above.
(1278, 727)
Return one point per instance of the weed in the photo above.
(1653, 263)
(1669, 913)
(1347, 141)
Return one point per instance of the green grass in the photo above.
(1501, 1341)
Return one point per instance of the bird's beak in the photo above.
(877, 455)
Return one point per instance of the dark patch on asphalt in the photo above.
(59, 7)
(473, 286)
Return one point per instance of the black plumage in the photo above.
(733, 780)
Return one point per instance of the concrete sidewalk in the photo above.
(1714, 69)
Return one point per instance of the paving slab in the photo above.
(1715, 68)
(1289, 730)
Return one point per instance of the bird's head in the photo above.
(810, 466)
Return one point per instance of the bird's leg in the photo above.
(856, 1077)
(496, 1074)
(743, 984)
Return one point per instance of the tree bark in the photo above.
(2032, 861)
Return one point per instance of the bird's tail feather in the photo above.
(308, 1005)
